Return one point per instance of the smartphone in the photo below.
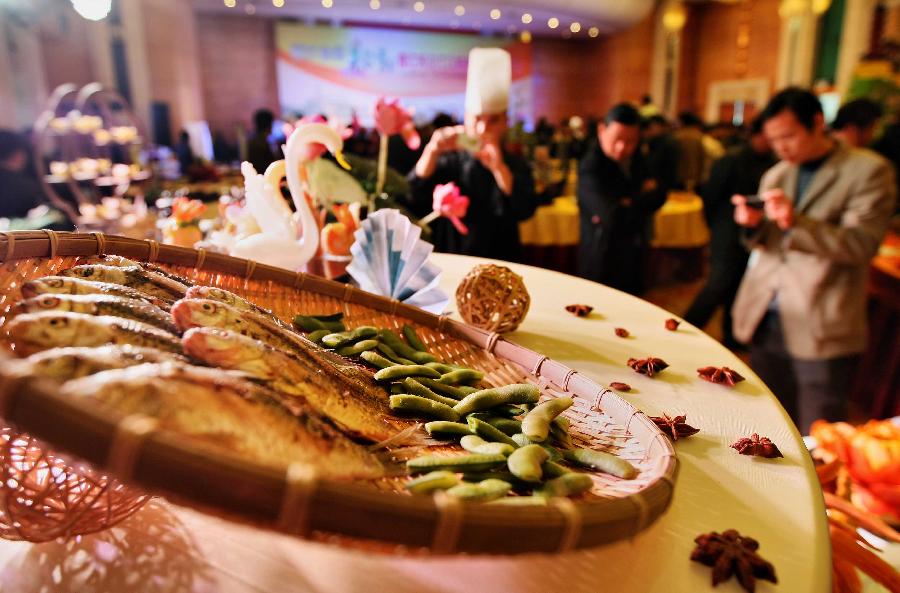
(755, 201)
(468, 143)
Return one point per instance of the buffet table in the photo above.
(168, 548)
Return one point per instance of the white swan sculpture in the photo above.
(286, 240)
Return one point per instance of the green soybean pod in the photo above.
(412, 337)
(507, 426)
(391, 355)
(404, 370)
(494, 474)
(599, 460)
(508, 410)
(336, 340)
(404, 350)
(525, 462)
(414, 387)
(448, 390)
(484, 491)
(376, 360)
(441, 367)
(436, 480)
(536, 424)
(309, 323)
(552, 469)
(568, 484)
(461, 376)
(515, 501)
(317, 335)
(523, 440)
(357, 348)
(443, 429)
(559, 430)
(414, 403)
(467, 389)
(488, 432)
(459, 463)
(475, 444)
(518, 393)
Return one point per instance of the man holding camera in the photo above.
(820, 216)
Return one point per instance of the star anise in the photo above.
(730, 553)
(757, 445)
(674, 428)
(579, 310)
(622, 332)
(672, 324)
(647, 366)
(722, 375)
(620, 386)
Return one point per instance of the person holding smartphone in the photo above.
(499, 185)
(820, 216)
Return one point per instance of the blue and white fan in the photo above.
(390, 259)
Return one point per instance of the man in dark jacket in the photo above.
(499, 185)
(738, 172)
(617, 196)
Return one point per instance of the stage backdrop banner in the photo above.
(339, 71)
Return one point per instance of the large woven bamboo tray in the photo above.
(292, 499)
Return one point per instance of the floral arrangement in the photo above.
(449, 203)
(182, 228)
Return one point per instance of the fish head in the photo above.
(47, 285)
(189, 313)
(219, 347)
(211, 292)
(43, 302)
(96, 273)
(34, 332)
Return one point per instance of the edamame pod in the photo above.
(441, 367)
(496, 474)
(436, 480)
(467, 389)
(310, 323)
(552, 469)
(337, 340)
(488, 432)
(414, 403)
(442, 429)
(401, 348)
(507, 426)
(448, 390)
(483, 491)
(568, 484)
(559, 430)
(507, 410)
(391, 355)
(536, 424)
(518, 393)
(520, 501)
(357, 348)
(376, 360)
(525, 462)
(523, 440)
(414, 387)
(400, 371)
(475, 444)
(412, 337)
(316, 336)
(459, 463)
(602, 461)
(461, 376)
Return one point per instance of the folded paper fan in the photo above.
(390, 259)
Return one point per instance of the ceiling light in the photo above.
(495, 14)
(277, 3)
(525, 37)
(250, 9)
(593, 31)
(375, 4)
(419, 6)
(575, 27)
(230, 3)
(526, 18)
(553, 22)
(459, 10)
(92, 10)
(327, 3)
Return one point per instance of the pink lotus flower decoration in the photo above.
(315, 150)
(449, 203)
(391, 118)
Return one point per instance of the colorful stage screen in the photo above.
(339, 71)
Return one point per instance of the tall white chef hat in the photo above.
(488, 81)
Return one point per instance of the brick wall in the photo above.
(237, 63)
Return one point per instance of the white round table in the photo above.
(169, 548)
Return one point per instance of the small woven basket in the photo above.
(377, 515)
(493, 298)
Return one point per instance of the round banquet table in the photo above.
(169, 548)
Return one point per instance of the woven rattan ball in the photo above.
(43, 497)
(493, 298)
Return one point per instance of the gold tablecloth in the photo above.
(552, 225)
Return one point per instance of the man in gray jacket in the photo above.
(802, 303)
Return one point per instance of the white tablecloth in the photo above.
(169, 548)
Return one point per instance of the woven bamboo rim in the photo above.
(295, 500)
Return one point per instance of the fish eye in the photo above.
(207, 307)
